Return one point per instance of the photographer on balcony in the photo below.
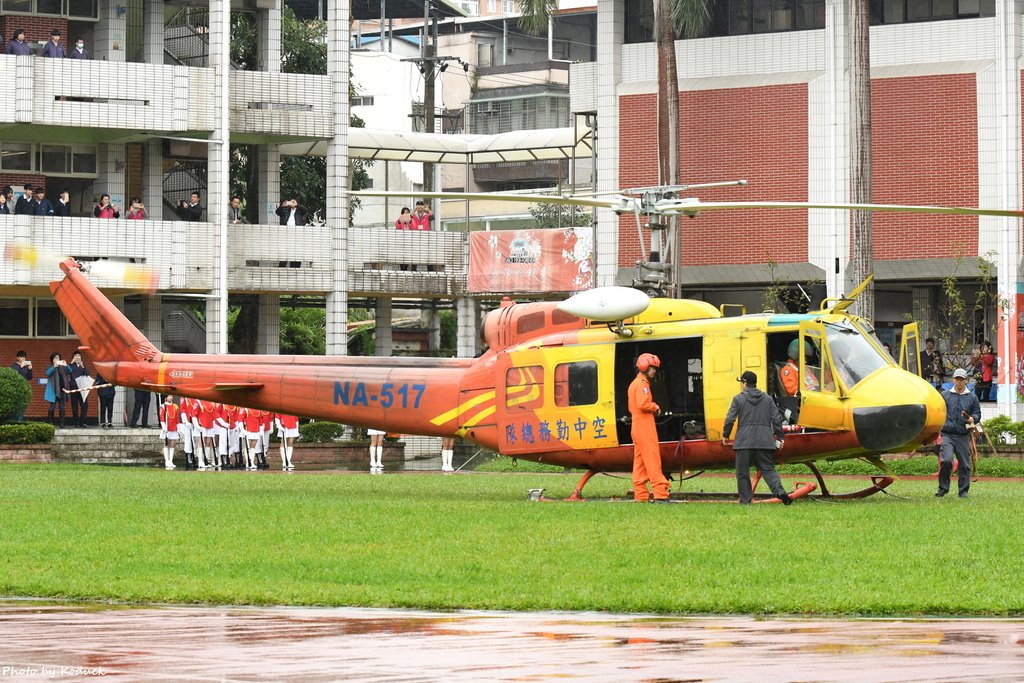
(191, 210)
(105, 209)
(291, 212)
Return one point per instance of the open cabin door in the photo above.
(822, 399)
(910, 349)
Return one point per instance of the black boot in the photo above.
(786, 500)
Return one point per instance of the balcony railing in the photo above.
(261, 258)
(154, 97)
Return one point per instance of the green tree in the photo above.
(672, 18)
(557, 216)
(15, 394)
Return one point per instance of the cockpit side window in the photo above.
(855, 357)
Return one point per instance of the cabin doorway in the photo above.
(678, 387)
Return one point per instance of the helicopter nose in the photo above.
(915, 420)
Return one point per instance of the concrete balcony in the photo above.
(114, 95)
(261, 258)
(130, 96)
(269, 107)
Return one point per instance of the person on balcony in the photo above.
(63, 205)
(404, 219)
(137, 211)
(18, 44)
(79, 51)
(105, 209)
(192, 210)
(420, 217)
(291, 212)
(43, 205)
(26, 205)
(53, 47)
(3, 205)
(235, 215)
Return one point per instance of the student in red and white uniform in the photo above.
(207, 414)
(170, 417)
(185, 431)
(268, 429)
(229, 436)
(252, 429)
(447, 452)
(287, 430)
(376, 450)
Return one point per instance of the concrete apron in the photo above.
(50, 641)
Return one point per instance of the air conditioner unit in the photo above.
(484, 107)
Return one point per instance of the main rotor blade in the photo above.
(692, 207)
(618, 203)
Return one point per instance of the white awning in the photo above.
(520, 145)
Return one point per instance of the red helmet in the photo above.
(647, 360)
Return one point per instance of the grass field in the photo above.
(473, 541)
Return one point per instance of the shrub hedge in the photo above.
(15, 394)
(26, 433)
(321, 431)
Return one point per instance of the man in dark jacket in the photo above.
(26, 205)
(191, 210)
(79, 406)
(23, 366)
(759, 433)
(963, 410)
(291, 212)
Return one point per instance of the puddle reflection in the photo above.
(42, 640)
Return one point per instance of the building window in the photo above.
(362, 101)
(576, 384)
(50, 322)
(743, 17)
(85, 9)
(15, 156)
(32, 318)
(524, 113)
(14, 317)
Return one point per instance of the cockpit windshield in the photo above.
(854, 356)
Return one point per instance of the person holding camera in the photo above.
(23, 366)
(190, 210)
(79, 407)
(137, 212)
(58, 383)
(963, 411)
(291, 212)
(105, 209)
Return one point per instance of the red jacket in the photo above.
(207, 413)
(288, 421)
(170, 417)
(252, 419)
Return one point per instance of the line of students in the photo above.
(211, 433)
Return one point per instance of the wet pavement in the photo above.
(46, 641)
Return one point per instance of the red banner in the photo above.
(508, 261)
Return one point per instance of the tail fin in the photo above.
(108, 334)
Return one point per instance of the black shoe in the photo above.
(786, 500)
(963, 495)
(940, 493)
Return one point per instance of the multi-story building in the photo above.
(763, 98)
(160, 87)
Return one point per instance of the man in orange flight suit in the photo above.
(790, 373)
(646, 451)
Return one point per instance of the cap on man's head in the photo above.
(749, 378)
(959, 372)
(55, 32)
